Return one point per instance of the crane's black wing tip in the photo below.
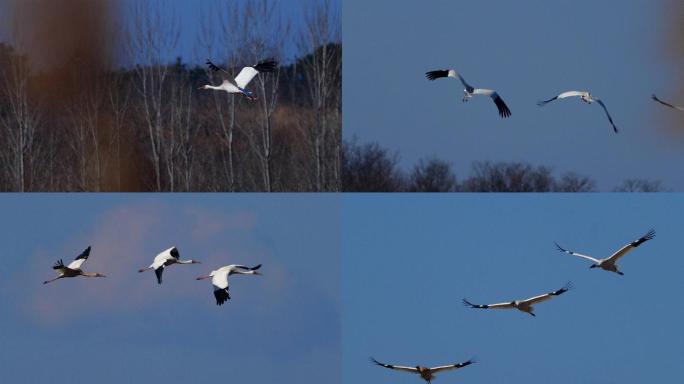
(213, 66)
(221, 296)
(504, 112)
(265, 66)
(433, 75)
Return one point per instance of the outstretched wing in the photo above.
(500, 105)
(453, 366)
(608, 115)
(80, 259)
(576, 254)
(627, 248)
(248, 73)
(488, 306)
(547, 296)
(654, 97)
(560, 96)
(433, 75)
(397, 367)
(248, 268)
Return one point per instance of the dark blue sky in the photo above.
(280, 327)
(527, 50)
(408, 261)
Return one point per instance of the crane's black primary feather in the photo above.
(544, 102)
(266, 66)
(221, 296)
(649, 236)
(159, 271)
(567, 287)
(471, 305)
(432, 75)
(84, 254)
(174, 253)
(214, 67)
(502, 107)
(59, 264)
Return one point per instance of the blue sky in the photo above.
(527, 50)
(191, 15)
(280, 327)
(408, 261)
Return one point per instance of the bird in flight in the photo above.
(526, 305)
(654, 97)
(425, 373)
(609, 263)
(219, 279)
(164, 259)
(74, 268)
(239, 84)
(586, 97)
(469, 90)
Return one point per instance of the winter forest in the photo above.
(119, 113)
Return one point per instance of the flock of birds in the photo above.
(526, 305)
(504, 111)
(171, 256)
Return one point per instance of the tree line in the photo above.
(372, 168)
(88, 126)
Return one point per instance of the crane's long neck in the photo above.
(216, 88)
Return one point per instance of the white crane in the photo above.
(654, 97)
(469, 90)
(239, 84)
(425, 373)
(74, 268)
(526, 305)
(608, 263)
(219, 279)
(586, 97)
(164, 259)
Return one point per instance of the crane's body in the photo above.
(526, 305)
(471, 91)
(239, 84)
(610, 263)
(219, 279)
(74, 268)
(426, 373)
(164, 259)
(584, 96)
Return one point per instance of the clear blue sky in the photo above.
(408, 261)
(281, 327)
(527, 50)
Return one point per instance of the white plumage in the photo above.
(469, 90)
(526, 305)
(74, 268)
(426, 373)
(165, 258)
(219, 279)
(239, 84)
(609, 263)
(586, 97)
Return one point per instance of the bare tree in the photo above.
(152, 35)
(369, 168)
(433, 175)
(319, 37)
(19, 120)
(637, 185)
